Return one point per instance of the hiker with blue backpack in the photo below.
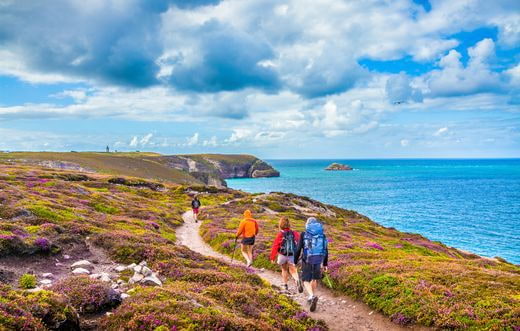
(312, 247)
(283, 252)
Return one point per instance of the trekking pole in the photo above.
(234, 248)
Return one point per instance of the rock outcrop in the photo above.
(338, 166)
(213, 169)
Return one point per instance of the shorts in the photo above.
(248, 241)
(311, 272)
(195, 211)
(283, 259)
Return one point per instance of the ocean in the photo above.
(472, 204)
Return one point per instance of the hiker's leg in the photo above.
(250, 253)
(314, 285)
(309, 288)
(243, 249)
(285, 272)
(293, 271)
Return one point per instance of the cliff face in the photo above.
(213, 169)
(208, 169)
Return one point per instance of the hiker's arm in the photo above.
(298, 249)
(276, 246)
(240, 229)
(256, 228)
(326, 259)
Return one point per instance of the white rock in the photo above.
(120, 281)
(151, 281)
(143, 263)
(143, 270)
(115, 286)
(120, 268)
(105, 277)
(46, 282)
(124, 296)
(95, 276)
(136, 278)
(108, 313)
(343, 301)
(131, 266)
(48, 275)
(66, 257)
(82, 264)
(80, 271)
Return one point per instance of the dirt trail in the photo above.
(339, 312)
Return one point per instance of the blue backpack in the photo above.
(314, 244)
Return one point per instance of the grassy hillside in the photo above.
(406, 276)
(209, 169)
(47, 214)
(126, 164)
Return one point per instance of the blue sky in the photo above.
(279, 79)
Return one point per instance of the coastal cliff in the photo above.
(213, 169)
(206, 169)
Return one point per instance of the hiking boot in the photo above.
(314, 302)
(300, 286)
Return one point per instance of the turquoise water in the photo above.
(469, 204)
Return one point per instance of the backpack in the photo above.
(288, 246)
(195, 203)
(314, 244)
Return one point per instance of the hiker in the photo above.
(283, 250)
(247, 230)
(312, 247)
(195, 205)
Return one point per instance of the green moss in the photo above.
(102, 208)
(27, 281)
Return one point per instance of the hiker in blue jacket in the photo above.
(312, 247)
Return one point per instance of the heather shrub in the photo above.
(87, 295)
(35, 311)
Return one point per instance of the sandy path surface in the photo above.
(339, 312)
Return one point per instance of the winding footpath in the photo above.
(339, 312)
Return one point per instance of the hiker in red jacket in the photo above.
(283, 251)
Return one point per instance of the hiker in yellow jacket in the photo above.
(247, 230)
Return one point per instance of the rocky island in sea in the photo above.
(338, 166)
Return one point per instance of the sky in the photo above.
(274, 78)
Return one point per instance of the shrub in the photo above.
(87, 295)
(35, 311)
(27, 281)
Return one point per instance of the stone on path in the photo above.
(80, 271)
(82, 264)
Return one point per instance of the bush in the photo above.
(87, 295)
(27, 281)
(35, 311)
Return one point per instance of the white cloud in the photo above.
(211, 142)
(456, 79)
(146, 139)
(441, 131)
(399, 89)
(193, 140)
(134, 142)
(405, 142)
(239, 134)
